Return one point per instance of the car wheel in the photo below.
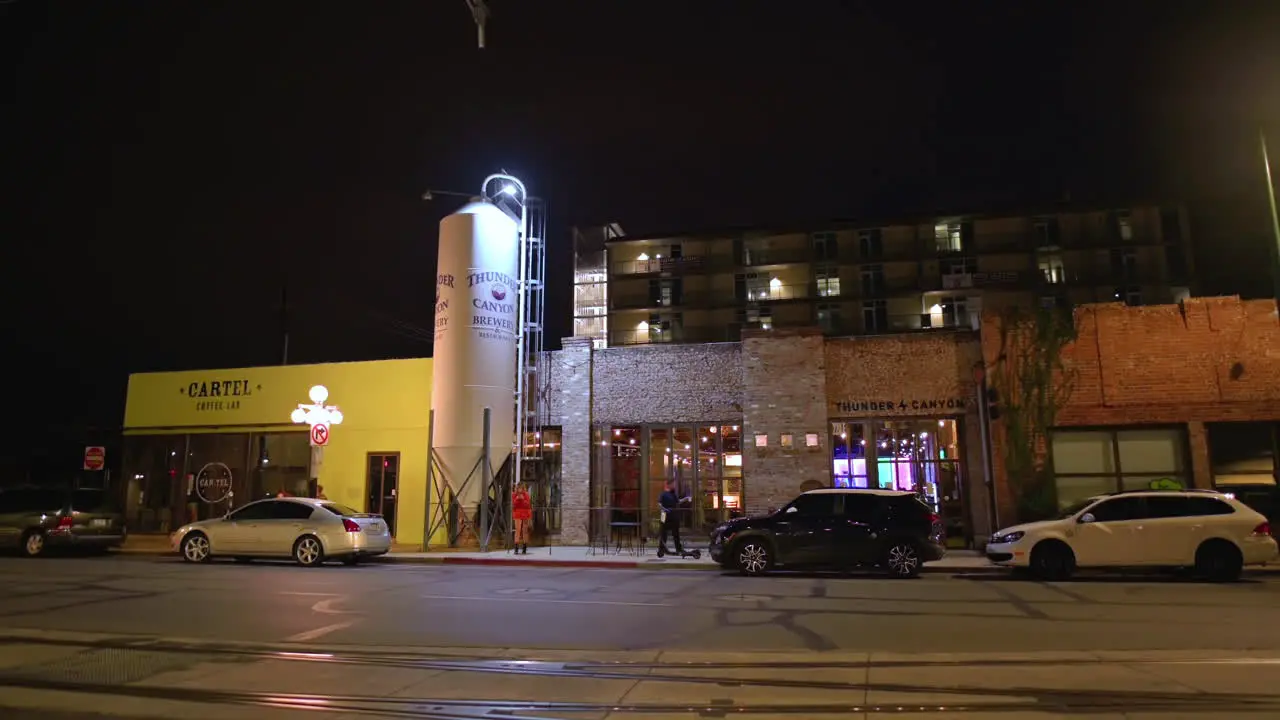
(753, 557)
(195, 548)
(308, 552)
(902, 560)
(33, 544)
(1052, 560)
(1219, 561)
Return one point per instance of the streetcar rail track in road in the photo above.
(452, 709)
(46, 676)
(355, 655)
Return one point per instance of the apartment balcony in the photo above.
(759, 257)
(688, 265)
(710, 299)
(893, 324)
(676, 334)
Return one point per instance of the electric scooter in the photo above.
(684, 553)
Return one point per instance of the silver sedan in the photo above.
(307, 530)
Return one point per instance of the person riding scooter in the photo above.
(670, 503)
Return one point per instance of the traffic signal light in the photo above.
(993, 404)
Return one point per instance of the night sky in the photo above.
(169, 167)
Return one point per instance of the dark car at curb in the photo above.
(834, 529)
(36, 519)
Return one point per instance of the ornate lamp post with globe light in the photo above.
(319, 417)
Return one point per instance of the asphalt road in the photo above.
(594, 609)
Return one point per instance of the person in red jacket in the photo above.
(522, 514)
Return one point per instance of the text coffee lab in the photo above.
(219, 394)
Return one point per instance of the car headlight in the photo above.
(1008, 537)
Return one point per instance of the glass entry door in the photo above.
(381, 487)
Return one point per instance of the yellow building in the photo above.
(200, 442)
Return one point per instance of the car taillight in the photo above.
(350, 525)
(1263, 529)
(935, 519)
(64, 522)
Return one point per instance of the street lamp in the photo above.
(318, 417)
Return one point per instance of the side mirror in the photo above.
(1086, 518)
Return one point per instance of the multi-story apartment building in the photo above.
(853, 278)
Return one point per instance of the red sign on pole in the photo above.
(320, 434)
(95, 457)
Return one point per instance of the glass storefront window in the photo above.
(915, 455)
(1243, 453)
(849, 451)
(624, 454)
(217, 475)
(731, 447)
(154, 468)
(633, 464)
(1092, 462)
(283, 462)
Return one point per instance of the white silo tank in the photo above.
(475, 358)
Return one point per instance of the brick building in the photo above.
(1162, 392)
(1187, 392)
(745, 426)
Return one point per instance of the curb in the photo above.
(447, 559)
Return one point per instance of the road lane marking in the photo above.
(319, 632)
(543, 600)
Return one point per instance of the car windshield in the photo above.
(337, 509)
(1076, 507)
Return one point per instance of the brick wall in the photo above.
(784, 383)
(914, 375)
(1207, 360)
(586, 388)
(568, 393)
(668, 384)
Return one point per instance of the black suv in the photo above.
(834, 529)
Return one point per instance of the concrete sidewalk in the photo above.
(957, 561)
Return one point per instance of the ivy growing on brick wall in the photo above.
(1033, 385)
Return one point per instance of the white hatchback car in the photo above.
(307, 530)
(1211, 532)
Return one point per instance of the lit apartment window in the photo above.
(828, 282)
(870, 244)
(1124, 224)
(1052, 268)
(949, 237)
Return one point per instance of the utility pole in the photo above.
(1275, 223)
